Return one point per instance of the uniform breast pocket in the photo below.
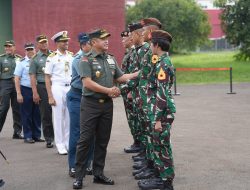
(97, 71)
(112, 69)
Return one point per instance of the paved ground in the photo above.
(210, 142)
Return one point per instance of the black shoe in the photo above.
(139, 165)
(141, 153)
(29, 140)
(139, 158)
(17, 136)
(77, 184)
(72, 172)
(1, 182)
(38, 140)
(89, 171)
(49, 145)
(139, 171)
(148, 180)
(146, 174)
(102, 179)
(133, 148)
(156, 184)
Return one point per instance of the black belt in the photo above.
(99, 100)
(76, 90)
(40, 82)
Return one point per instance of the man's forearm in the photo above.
(17, 85)
(33, 84)
(48, 85)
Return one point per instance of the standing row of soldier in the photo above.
(148, 102)
(79, 91)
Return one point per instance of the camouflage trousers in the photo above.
(162, 151)
(131, 117)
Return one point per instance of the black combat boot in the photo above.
(134, 148)
(155, 183)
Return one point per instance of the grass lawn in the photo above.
(241, 69)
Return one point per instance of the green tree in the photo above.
(236, 25)
(184, 19)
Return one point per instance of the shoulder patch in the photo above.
(162, 75)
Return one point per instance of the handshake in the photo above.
(114, 92)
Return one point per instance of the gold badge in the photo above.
(6, 69)
(97, 74)
(162, 75)
(154, 59)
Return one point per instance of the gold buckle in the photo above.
(101, 100)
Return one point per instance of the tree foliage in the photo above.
(236, 25)
(184, 19)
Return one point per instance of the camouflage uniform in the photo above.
(161, 108)
(128, 103)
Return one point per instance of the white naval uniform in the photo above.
(58, 66)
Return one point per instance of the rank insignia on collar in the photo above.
(162, 75)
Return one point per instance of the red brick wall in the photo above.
(33, 17)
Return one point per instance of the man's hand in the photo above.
(52, 101)
(158, 126)
(114, 92)
(19, 98)
(36, 98)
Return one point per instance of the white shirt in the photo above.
(58, 65)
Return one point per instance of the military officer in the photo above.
(161, 109)
(57, 79)
(73, 103)
(7, 88)
(29, 110)
(98, 71)
(40, 96)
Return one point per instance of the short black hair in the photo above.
(163, 44)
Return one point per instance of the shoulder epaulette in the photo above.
(52, 54)
(22, 59)
(70, 52)
(19, 56)
(2, 55)
(75, 55)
